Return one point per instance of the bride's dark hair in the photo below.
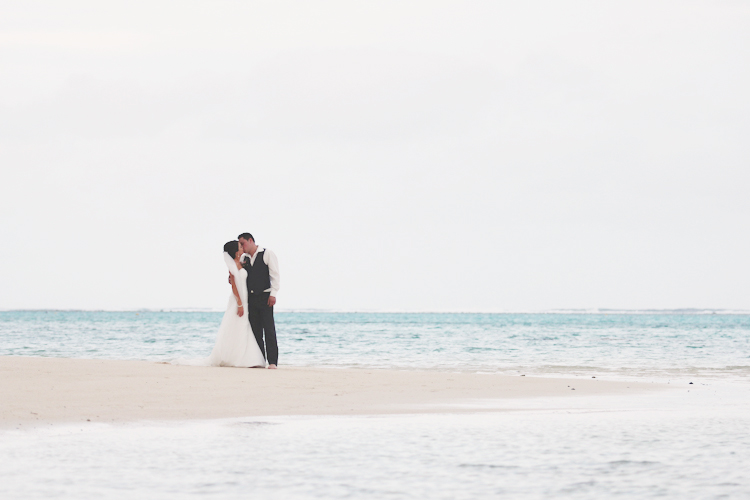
(231, 247)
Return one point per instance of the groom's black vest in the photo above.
(258, 277)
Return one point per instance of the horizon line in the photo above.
(682, 310)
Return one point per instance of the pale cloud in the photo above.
(103, 41)
(395, 155)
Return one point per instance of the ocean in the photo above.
(693, 442)
(656, 346)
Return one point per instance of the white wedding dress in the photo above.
(235, 342)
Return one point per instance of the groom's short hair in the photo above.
(247, 236)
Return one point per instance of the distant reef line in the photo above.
(601, 311)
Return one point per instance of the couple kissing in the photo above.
(247, 334)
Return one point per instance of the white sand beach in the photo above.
(47, 390)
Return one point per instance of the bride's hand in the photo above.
(240, 310)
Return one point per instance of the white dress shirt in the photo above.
(269, 259)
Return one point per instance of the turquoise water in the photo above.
(653, 345)
(688, 442)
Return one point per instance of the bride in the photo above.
(235, 342)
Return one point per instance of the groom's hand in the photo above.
(231, 279)
(271, 300)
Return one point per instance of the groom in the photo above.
(262, 287)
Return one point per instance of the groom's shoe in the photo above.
(271, 367)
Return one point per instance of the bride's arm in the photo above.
(240, 310)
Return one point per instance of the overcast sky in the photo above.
(396, 155)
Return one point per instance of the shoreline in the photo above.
(42, 391)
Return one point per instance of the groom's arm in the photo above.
(273, 272)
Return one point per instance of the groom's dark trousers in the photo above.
(260, 315)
